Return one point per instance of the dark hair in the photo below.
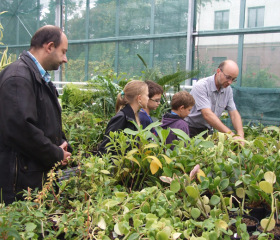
(46, 34)
(154, 88)
(130, 91)
(182, 98)
(222, 64)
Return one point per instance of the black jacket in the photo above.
(120, 121)
(30, 128)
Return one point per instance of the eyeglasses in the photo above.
(155, 100)
(229, 78)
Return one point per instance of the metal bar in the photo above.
(190, 37)
(241, 41)
(117, 32)
(238, 31)
(152, 31)
(58, 22)
(87, 37)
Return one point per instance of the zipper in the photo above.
(16, 174)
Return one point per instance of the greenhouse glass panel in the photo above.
(74, 69)
(261, 61)
(128, 61)
(134, 17)
(101, 57)
(211, 51)
(75, 19)
(23, 18)
(102, 19)
(217, 15)
(262, 13)
(170, 55)
(171, 16)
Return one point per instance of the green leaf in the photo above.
(214, 200)
(192, 192)
(206, 144)
(162, 236)
(175, 186)
(102, 223)
(195, 213)
(134, 236)
(224, 184)
(30, 227)
(238, 182)
(205, 184)
(181, 134)
(121, 194)
(111, 203)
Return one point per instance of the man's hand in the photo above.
(66, 155)
(236, 137)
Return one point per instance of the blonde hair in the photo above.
(130, 91)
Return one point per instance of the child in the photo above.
(134, 96)
(155, 92)
(181, 105)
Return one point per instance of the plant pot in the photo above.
(259, 212)
(251, 223)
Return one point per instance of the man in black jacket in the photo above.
(31, 137)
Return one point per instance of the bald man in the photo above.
(212, 96)
(31, 137)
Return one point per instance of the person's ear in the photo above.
(49, 46)
(181, 108)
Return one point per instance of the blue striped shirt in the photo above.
(44, 73)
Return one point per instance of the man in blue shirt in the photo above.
(31, 137)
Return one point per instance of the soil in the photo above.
(250, 223)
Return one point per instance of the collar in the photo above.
(173, 113)
(128, 111)
(45, 75)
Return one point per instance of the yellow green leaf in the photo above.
(200, 174)
(240, 192)
(151, 145)
(265, 221)
(221, 224)
(266, 187)
(155, 165)
(167, 159)
(105, 171)
(270, 177)
(131, 152)
(133, 159)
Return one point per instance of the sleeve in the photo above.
(18, 117)
(200, 94)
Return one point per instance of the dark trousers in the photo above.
(195, 131)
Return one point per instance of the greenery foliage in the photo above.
(145, 190)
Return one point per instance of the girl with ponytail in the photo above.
(134, 96)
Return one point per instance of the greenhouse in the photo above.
(78, 80)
